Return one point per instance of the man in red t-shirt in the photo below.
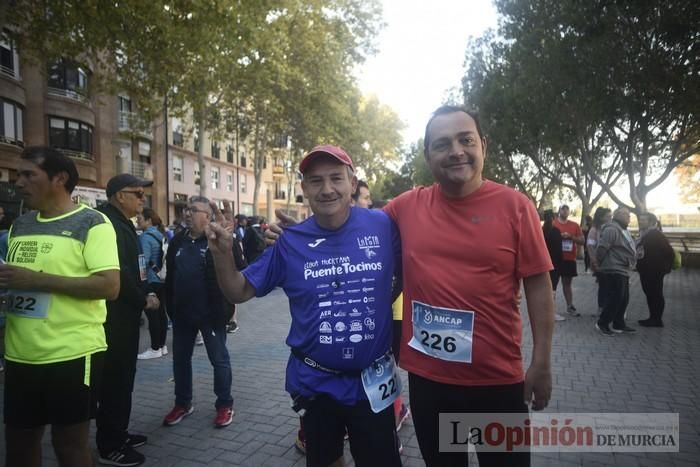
(571, 235)
(466, 244)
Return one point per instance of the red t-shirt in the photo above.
(568, 245)
(469, 254)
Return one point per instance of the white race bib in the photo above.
(567, 244)
(442, 333)
(28, 303)
(382, 383)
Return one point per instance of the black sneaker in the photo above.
(232, 327)
(604, 329)
(626, 329)
(126, 456)
(651, 323)
(135, 441)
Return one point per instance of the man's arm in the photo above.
(540, 308)
(99, 285)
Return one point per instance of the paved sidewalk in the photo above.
(652, 371)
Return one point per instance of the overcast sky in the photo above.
(421, 55)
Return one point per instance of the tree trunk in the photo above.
(201, 128)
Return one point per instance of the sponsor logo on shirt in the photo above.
(369, 322)
(348, 353)
(325, 339)
(325, 327)
(340, 326)
(355, 326)
(355, 312)
(368, 243)
(317, 242)
(326, 303)
(355, 338)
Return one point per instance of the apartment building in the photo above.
(52, 104)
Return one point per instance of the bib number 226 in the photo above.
(437, 342)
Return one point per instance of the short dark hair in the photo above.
(450, 109)
(52, 162)
(360, 184)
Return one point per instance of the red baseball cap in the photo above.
(325, 150)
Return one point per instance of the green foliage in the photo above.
(590, 92)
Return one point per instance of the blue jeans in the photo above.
(184, 335)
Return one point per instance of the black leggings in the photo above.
(158, 320)
(429, 399)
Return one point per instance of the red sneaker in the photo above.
(177, 414)
(224, 417)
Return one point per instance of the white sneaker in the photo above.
(199, 340)
(149, 354)
(558, 317)
(164, 350)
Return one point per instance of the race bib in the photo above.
(442, 333)
(567, 244)
(382, 383)
(28, 303)
(142, 267)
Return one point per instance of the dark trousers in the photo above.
(373, 440)
(184, 334)
(653, 287)
(158, 320)
(616, 296)
(601, 292)
(118, 374)
(429, 399)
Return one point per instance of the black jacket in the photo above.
(132, 293)
(220, 310)
(658, 254)
(552, 238)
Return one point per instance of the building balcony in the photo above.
(132, 122)
(9, 72)
(278, 170)
(78, 154)
(70, 94)
(11, 141)
(141, 170)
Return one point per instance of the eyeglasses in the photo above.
(138, 194)
(189, 209)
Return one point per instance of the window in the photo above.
(244, 183)
(8, 57)
(215, 151)
(215, 178)
(196, 174)
(145, 152)
(11, 123)
(68, 76)
(196, 144)
(178, 138)
(242, 159)
(229, 181)
(124, 104)
(70, 134)
(177, 168)
(229, 154)
(124, 113)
